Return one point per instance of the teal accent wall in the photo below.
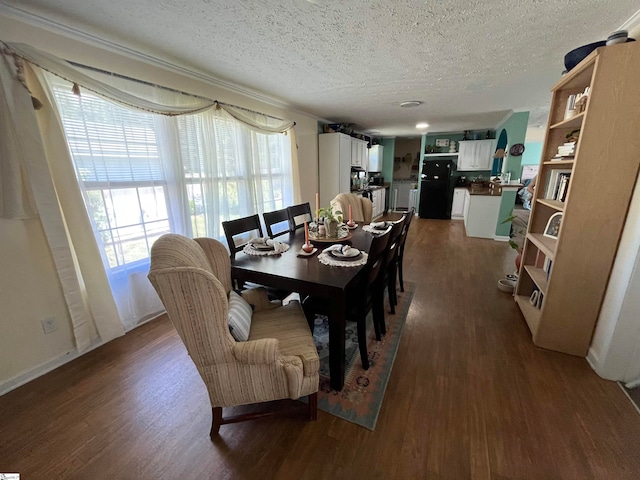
(516, 128)
(532, 153)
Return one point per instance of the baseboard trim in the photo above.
(501, 238)
(44, 368)
(622, 387)
(592, 359)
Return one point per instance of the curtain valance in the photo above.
(177, 104)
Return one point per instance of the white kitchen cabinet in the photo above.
(401, 193)
(481, 215)
(465, 208)
(459, 199)
(476, 155)
(375, 158)
(334, 158)
(359, 153)
(378, 195)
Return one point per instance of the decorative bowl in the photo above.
(506, 285)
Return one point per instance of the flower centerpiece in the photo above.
(331, 220)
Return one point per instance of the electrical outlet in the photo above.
(49, 325)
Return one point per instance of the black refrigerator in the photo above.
(436, 189)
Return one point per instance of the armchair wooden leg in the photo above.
(313, 406)
(216, 421)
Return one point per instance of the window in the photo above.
(118, 164)
(143, 175)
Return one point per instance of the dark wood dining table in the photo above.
(307, 276)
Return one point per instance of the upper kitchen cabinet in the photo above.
(476, 155)
(375, 158)
(335, 158)
(359, 153)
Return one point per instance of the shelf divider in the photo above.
(539, 277)
(555, 204)
(574, 121)
(531, 314)
(546, 244)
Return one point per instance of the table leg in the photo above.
(336, 341)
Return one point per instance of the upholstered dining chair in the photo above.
(239, 231)
(274, 356)
(361, 207)
(401, 244)
(298, 214)
(367, 295)
(276, 218)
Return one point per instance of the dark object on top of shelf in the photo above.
(575, 56)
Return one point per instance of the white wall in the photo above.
(29, 289)
(615, 349)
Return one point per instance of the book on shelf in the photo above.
(547, 266)
(563, 188)
(554, 181)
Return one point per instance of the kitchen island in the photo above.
(481, 209)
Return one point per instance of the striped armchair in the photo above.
(279, 359)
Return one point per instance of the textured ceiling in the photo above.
(354, 61)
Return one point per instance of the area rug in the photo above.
(361, 398)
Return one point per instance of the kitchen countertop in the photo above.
(495, 191)
(367, 189)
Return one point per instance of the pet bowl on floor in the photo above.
(506, 285)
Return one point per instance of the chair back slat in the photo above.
(245, 228)
(298, 214)
(279, 219)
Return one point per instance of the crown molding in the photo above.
(632, 25)
(113, 47)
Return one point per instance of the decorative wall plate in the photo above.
(517, 150)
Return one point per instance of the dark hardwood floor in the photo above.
(470, 397)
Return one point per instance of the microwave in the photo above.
(377, 180)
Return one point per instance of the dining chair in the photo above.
(366, 295)
(389, 271)
(401, 244)
(245, 228)
(276, 218)
(298, 214)
(238, 232)
(274, 357)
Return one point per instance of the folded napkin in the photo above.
(261, 241)
(345, 250)
(378, 224)
(278, 247)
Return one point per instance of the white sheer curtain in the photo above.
(142, 175)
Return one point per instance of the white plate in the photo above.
(302, 253)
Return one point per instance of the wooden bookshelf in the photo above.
(603, 175)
